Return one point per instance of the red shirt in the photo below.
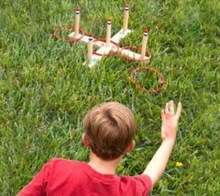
(68, 177)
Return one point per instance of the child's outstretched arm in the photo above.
(169, 127)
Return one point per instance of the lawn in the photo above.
(46, 90)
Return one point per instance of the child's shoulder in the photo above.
(64, 162)
(58, 159)
(63, 165)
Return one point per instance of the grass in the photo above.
(46, 91)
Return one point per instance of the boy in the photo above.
(109, 130)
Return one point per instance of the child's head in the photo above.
(109, 128)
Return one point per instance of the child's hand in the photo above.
(170, 121)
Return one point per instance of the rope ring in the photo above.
(160, 76)
(133, 59)
(109, 54)
(68, 40)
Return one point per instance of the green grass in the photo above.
(46, 91)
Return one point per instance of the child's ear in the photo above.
(85, 140)
(130, 147)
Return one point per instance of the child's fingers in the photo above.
(162, 113)
(167, 108)
(171, 107)
(179, 108)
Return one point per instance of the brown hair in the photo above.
(109, 128)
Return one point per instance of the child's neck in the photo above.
(102, 166)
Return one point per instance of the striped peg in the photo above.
(77, 19)
(90, 37)
(146, 33)
(126, 7)
(108, 34)
(77, 10)
(144, 44)
(109, 21)
(126, 15)
(90, 47)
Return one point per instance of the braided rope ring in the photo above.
(160, 76)
(111, 53)
(68, 40)
(133, 59)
